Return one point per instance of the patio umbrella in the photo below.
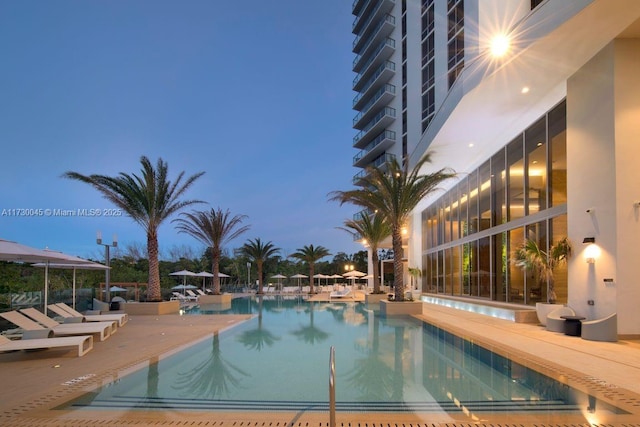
(184, 274)
(354, 273)
(279, 277)
(116, 289)
(204, 275)
(320, 276)
(299, 276)
(16, 252)
(74, 267)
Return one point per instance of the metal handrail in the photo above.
(332, 387)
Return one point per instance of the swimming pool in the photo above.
(278, 361)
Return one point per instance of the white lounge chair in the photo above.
(554, 322)
(66, 312)
(102, 330)
(191, 295)
(605, 329)
(340, 294)
(84, 343)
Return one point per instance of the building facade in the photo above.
(536, 106)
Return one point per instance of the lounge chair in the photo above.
(84, 343)
(66, 312)
(199, 291)
(605, 329)
(191, 295)
(340, 294)
(102, 330)
(554, 322)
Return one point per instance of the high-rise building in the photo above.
(536, 105)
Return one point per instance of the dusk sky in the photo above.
(255, 93)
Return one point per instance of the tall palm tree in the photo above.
(311, 254)
(393, 192)
(148, 199)
(259, 252)
(214, 228)
(374, 229)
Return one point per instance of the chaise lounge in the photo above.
(102, 330)
(66, 312)
(84, 343)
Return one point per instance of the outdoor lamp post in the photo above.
(107, 258)
(249, 274)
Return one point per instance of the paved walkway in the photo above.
(38, 381)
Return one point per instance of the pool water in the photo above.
(279, 360)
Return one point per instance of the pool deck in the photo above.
(36, 382)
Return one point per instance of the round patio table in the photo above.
(572, 325)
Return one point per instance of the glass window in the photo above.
(516, 274)
(558, 230)
(536, 155)
(499, 188)
(456, 267)
(515, 179)
(474, 278)
(558, 155)
(536, 287)
(499, 270)
(474, 221)
(463, 208)
(484, 267)
(466, 268)
(484, 178)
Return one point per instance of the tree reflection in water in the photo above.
(311, 334)
(211, 378)
(371, 375)
(256, 339)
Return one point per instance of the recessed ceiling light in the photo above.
(471, 145)
(525, 89)
(500, 45)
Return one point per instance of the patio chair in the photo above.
(66, 312)
(341, 294)
(554, 322)
(191, 296)
(84, 343)
(605, 329)
(102, 330)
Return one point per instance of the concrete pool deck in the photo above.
(36, 382)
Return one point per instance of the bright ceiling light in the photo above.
(500, 45)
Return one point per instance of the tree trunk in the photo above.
(153, 290)
(311, 272)
(215, 254)
(376, 270)
(260, 284)
(398, 279)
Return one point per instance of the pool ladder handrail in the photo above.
(332, 387)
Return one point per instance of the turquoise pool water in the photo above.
(279, 360)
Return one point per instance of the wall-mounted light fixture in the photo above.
(592, 251)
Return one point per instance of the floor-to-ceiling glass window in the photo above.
(473, 230)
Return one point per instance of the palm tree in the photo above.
(149, 200)
(374, 230)
(311, 254)
(259, 252)
(214, 228)
(393, 195)
(531, 257)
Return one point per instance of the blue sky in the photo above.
(255, 93)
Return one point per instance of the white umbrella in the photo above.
(184, 274)
(84, 266)
(279, 277)
(16, 252)
(184, 287)
(299, 276)
(354, 273)
(320, 276)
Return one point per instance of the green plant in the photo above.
(542, 264)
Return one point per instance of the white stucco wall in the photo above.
(602, 141)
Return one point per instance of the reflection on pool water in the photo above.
(279, 361)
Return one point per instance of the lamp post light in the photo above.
(107, 258)
(249, 275)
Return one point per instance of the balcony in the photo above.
(381, 53)
(383, 29)
(381, 75)
(382, 97)
(364, 19)
(376, 147)
(356, 6)
(383, 119)
(378, 163)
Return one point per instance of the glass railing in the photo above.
(386, 134)
(387, 19)
(387, 65)
(386, 42)
(359, 17)
(380, 161)
(387, 111)
(387, 88)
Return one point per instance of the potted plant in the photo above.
(531, 257)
